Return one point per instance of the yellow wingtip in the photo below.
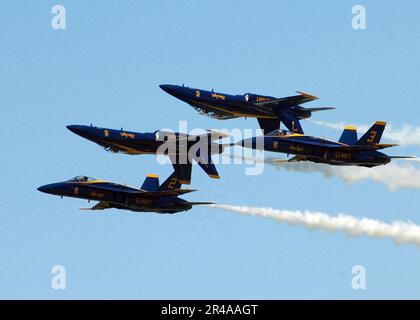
(310, 96)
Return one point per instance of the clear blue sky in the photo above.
(105, 69)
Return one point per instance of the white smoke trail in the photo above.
(339, 125)
(392, 175)
(413, 159)
(406, 136)
(401, 232)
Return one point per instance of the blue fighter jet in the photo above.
(181, 148)
(151, 197)
(348, 151)
(268, 110)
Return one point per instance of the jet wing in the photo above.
(293, 159)
(167, 193)
(336, 146)
(216, 135)
(368, 147)
(99, 206)
(114, 188)
(286, 102)
(300, 139)
(211, 134)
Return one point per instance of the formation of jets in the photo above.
(182, 149)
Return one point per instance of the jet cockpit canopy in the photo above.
(81, 179)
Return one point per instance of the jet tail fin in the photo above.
(203, 159)
(206, 163)
(151, 183)
(173, 182)
(349, 136)
(373, 135)
(291, 122)
(268, 125)
(210, 169)
(183, 170)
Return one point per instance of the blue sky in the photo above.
(105, 69)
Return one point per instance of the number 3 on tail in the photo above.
(372, 136)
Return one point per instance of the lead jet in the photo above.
(151, 197)
(269, 111)
(181, 148)
(348, 151)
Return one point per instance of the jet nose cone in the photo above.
(247, 143)
(165, 87)
(252, 143)
(42, 189)
(48, 188)
(169, 88)
(74, 128)
(83, 131)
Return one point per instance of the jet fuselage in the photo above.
(158, 142)
(117, 195)
(225, 106)
(316, 150)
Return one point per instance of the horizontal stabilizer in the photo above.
(403, 157)
(319, 109)
(201, 203)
